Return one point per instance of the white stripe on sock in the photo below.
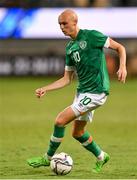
(55, 139)
(101, 156)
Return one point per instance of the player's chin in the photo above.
(65, 33)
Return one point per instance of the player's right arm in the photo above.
(62, 82)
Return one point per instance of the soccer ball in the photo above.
(61, 164)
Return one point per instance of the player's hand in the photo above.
(40, 92)
(122, 74)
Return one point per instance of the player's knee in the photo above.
(76, 134)
(59, 122)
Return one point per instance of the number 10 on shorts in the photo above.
(86, 100)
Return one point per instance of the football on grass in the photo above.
(61, 164)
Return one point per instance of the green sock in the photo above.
(55, 140)
(89, 144)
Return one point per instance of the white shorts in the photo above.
(85, 103)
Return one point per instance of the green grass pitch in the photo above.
(26, 124)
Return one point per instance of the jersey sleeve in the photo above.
(69, 66)
(98, 39)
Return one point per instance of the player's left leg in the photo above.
(84, 105)
(83, 136)
(86, 140)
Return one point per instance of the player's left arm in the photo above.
(122, 71)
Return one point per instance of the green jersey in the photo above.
(85, 55)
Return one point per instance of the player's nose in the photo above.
(61, 26)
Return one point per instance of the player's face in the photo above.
(67, 25)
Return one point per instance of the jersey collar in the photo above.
(78, 35)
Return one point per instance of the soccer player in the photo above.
(85, 56)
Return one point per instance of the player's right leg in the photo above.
(38, 161)
(62, 119)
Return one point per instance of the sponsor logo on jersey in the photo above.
(83, 44)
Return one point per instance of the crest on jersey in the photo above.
(83, 44)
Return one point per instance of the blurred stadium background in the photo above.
(31, 42)
(32, 54)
